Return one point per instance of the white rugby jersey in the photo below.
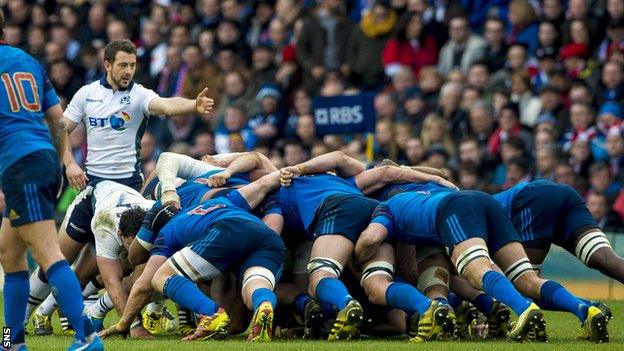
(115, 124)
(111, 200)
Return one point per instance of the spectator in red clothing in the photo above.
(411, 47)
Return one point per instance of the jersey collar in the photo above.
(105, 84)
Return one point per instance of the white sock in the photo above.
(48, 306)
(103, 305)
(90, 294)
(38, 292)
(155, 307)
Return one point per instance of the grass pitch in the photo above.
(562, 329)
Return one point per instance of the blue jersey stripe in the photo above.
(37, 202)
(461, 229)
(28, 205)
(452, 228)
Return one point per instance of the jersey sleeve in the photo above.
(50, 98)
(238, 200)
(146, 96)
(271, 205)
(160, 246)
(75, 110)
(383, 216)
(106, 245)
(146, 235)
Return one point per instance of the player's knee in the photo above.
(258, 277)
(323, 267)
(376, 277)
(590, 244)
(600, 258)
(473, 263)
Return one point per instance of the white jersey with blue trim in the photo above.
(115, 123)
(110, 201)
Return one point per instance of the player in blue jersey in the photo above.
(31, 174)
(203, 236)
(333, 212)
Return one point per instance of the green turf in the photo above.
(562, 330)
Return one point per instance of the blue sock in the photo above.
(186, 293)
(16, 289)
(407, 298)
(496, 285)
(68, 295)
(484, 303)
(333, 291)
(454, 300)
(552, 293)
(300, 303)
(261, 295)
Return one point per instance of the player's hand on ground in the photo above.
(286, 175)
(116, 329)
(170, 197)
(219, 179)
(76, 176)
(204, 104)
(140, 333)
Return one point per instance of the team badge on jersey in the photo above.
(125, 100)
(118, 123)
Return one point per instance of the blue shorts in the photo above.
(345, 215)
(31, 186)
(135, 181)
(474, 214)
(550, 214)
(234, 245)
(152, 189)
(78, 217)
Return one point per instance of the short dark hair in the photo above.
(111, 50)
(131, 220)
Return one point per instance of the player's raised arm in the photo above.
(58, 132)
(174, 106)
(246, 163)
(374, 179)
(370, 241)
(345, 166)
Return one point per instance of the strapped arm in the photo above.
(374, 179)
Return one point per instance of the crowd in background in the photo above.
(493, 91)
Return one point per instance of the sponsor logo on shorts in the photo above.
(13, 215)
(76, 228)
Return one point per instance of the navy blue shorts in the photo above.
(234, 245)
(31, 186)
(78, 217)
(152, 189)
(135, 181)
(550, 214)
(474, 214)
(345, 215)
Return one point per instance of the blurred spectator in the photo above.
(545, 163)
(548, 35)
(515, 172)
(263, 66)
(598, 205)
(323, 42)
(152, 51)
(236, 92)
(436, 134)
(306, 130)
(496, 48)
(414, 151)
(199, 74)
(234, 124)
(411, 46)
(612, 84)
(462, 49)
(564, 174)
(601, 181)
(614, 39)
(294, 153)
(481, 123)
(511, 148)
(258, 32)
(522, 94)
(266, 122)
(173, 75)
(581, 157)
(366, 42)
(385, 143)
(509, 126)
(553, 11)
(61, 74)
(385, 106)
(203, 143)
(149, 153)
(615, 150)
(117, 30)
(523, 20)
(469, 176)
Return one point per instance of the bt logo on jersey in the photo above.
(117, 123)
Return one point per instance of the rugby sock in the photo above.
(484, 303)
(39, 290)
(552, 293)
(155, 307)
(103, 305)
(261, 295)
(16, 288)
(496, 285)
(407, 298)
(333, 291)
(48, 306)
(454, 300)
(187, 294)
(300, 303)
(90, 294)
(67, 292)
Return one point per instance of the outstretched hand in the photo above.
(204, 104)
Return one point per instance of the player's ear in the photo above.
(107, 65)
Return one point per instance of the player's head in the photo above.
(130, 223)
(120, 62)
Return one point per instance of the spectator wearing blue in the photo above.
(234, 127)
(265, 124)
(609, 116)
(523, 20)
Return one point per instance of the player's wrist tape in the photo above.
(302, 169)
(169, 196)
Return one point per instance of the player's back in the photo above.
(25, 95)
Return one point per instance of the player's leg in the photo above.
(176, 281)
(13, 258)
(305, 305)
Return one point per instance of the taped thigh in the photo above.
(255, 273)
(518, 268)
(377, 268)
(469, 255)
(325, 264)
(433, 276)
(589, 244)
(188, 263)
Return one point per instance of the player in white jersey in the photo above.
(105, 207)
(115, 111)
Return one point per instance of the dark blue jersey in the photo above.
(25, 95)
